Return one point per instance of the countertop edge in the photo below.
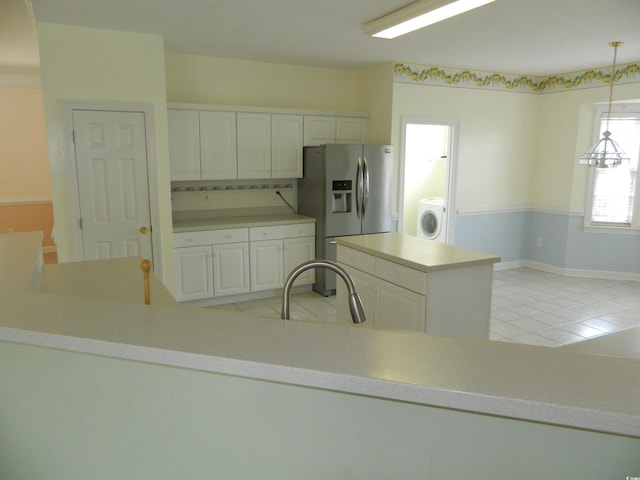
(483, 258)
(222, 223)
(469, 402)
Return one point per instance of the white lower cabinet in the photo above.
(267, 267)
(297, 251)
(213, 264)
(385, 305)
(230, 269)
(397, 307)
(193, 273)
(278, 249)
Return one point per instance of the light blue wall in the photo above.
(513, 236)
(502, 234)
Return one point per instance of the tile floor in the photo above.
(529, 306)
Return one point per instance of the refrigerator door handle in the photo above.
(359, 187)
(365, 184)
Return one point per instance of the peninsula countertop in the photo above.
(530, 383)
(416, 253)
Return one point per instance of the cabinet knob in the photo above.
(144, 230)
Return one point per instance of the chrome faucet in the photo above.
(355, 304)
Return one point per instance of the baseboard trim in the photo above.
(568, 272)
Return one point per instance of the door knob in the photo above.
(143, 230)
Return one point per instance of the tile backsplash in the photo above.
(232, 194)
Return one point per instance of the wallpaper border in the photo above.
(466, 78)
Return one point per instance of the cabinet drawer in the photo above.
(272, 232)
(276, 232)
(406, 277)
(300, 230)
(210, 237)
(356, 259)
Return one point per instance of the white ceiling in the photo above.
(535, 37)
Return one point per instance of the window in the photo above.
(614, 199)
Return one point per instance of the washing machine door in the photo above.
(429, 224)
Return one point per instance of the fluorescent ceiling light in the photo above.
(418, 15)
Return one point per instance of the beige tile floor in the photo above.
(529, 306)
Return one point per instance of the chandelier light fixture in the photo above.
(419, 15)
(606, 153)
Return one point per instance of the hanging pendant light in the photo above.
(606, 153)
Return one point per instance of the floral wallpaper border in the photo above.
(465, 78)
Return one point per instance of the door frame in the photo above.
(147, 109)
(452, 167)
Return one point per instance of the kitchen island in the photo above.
(412, 283)
(109, 388)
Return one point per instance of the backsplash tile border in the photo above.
(210, 188)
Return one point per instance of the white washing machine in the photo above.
(431, 219)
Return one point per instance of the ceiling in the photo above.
(535, 37)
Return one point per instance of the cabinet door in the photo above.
(351, 130)
(230, 269)
(319, 130)
(366, 290)
(286, 146)
(297, 251)
(254, 145)
(184, 144)
(193, 273)
(398, 308)
(218, 158)
(266, 265)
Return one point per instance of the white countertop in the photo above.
(530, 383)
(414, 252)
(198, 223)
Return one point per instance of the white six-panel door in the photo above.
(111, 162)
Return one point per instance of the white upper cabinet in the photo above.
(208, 143)
(254, 145)
(184, 144)
(286, 146)
(218, 157)
(202, 145)
(319, 130)
(351, 130)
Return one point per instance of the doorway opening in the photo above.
(427, 184)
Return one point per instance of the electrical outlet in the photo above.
(539, 242)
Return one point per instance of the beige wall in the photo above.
(376, 90)
(104, 66)
(23, 147)
(515, 149)
(198, 79)
(565, 130)
(496, 139)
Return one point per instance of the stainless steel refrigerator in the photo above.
(348, 189)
